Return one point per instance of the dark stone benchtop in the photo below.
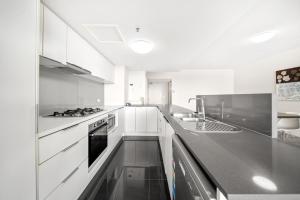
(232, 160)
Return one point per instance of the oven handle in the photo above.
(208, 192)
(94, 132)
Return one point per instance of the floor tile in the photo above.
(134, 173)
(158, 190)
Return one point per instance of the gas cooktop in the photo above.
(78, 112)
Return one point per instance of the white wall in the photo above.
(158, 92)
(116, 93)
(137, 87)
(189, 83)
(18, 65)
(259, 77)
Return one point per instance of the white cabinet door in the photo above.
(82, 54)
(162, 137)
(169, 156)
(116, 134)
(141, 119)
(54, 37)
(55, 170)
(78, 51)
(151, 119)
(121, 123)
(52, 144)
(72, 187)
(130, 119)
(107, 70)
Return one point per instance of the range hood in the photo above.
(69, 67)
(74, 69)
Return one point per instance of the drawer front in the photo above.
(55, 170)
(113, 139)
(56, 142)
(73, 186)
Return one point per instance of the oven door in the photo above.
(97, 142)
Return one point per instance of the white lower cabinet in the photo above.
(72, 187)
(168, 162)
(63, 171)
(52, 144)
(141, 121)
(129, 119)
(115, 135)
(151, 113)
(163, 139)
(165, 142)
(56, 170)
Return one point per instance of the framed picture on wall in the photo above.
(288, 84)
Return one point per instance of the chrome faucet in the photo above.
(197, 106)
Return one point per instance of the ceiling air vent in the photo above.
(105, 33)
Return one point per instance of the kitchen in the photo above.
(150, 100)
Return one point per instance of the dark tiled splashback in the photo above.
(252, 111)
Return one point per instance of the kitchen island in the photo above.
(244, 165)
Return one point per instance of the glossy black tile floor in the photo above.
(135, 172)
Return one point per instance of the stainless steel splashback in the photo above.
(252, 111)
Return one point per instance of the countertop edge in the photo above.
(46, 132)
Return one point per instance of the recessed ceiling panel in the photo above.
(105, 33)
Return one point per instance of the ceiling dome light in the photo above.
(264, 36)
(264, 183)
(141, 46)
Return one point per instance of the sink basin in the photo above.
(184, 115)
(192, 122)
(217, 127)
(210, 127)
(192, 119)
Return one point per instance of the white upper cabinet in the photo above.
(54, 37)
(62, 44)
(78, 50)
(107, 69)
(151, 119)
(82, 54)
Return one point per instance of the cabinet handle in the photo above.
(69, 147)
(70, 127)
(70, 175)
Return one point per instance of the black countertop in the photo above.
(233, 160)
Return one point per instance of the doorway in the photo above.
(159, 91)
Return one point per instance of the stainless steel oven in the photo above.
(111, 123)
(97, 139)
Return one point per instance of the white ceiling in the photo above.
(187, 33)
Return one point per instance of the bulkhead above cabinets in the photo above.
(61, 47)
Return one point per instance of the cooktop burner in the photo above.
(78, 112)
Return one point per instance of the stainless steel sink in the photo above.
(192, 122)
(191, 119)
(184, 115)
(217, 127)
